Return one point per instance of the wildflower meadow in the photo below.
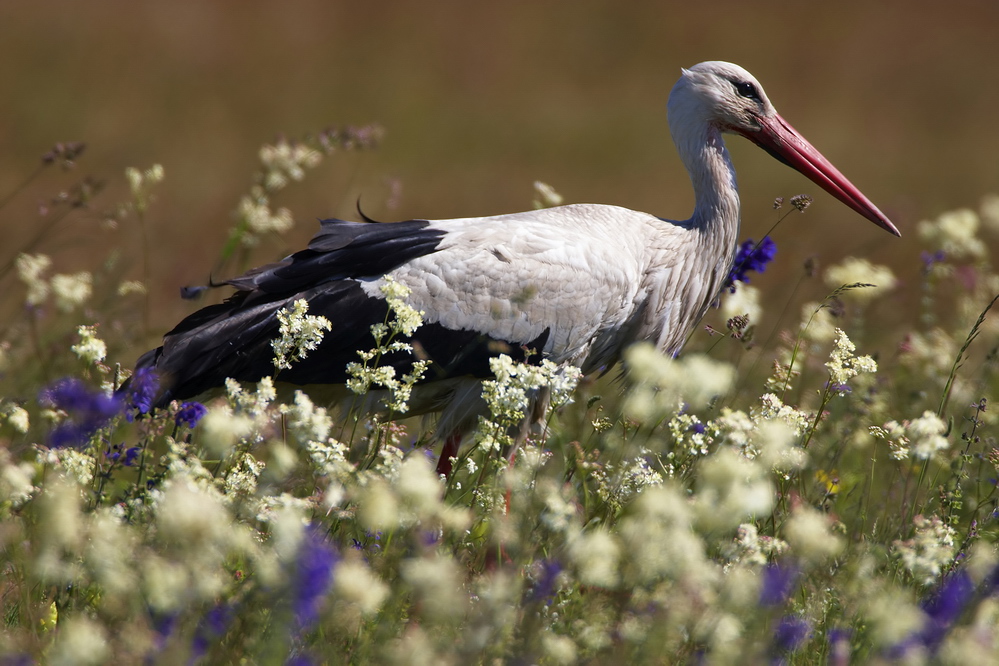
(825, 493)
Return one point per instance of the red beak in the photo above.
(783, 142)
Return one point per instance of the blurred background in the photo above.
(477, 101)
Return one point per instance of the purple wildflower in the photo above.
(750, 256)
(211, 629)
(778, 583)
(313, 577)
(141, 392)
(88, 411)
(931, 258)
(190, 413)
(791, 633)
(544, 586)
(126, 458)
(697, 428)
(945, 607)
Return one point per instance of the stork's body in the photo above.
(576, 283)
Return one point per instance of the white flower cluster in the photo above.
(956, 233)
(286, 161)
(70, 290)
(300, 334)
(921, 438)
(929, 551)
(662, 383)
(403, 320)
(141, 182)
(843, 365)
(255, 212)
(90, 349)
(854, 270)
(545, 196)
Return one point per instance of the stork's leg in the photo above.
(448, 451)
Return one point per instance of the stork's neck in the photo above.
(716, 195)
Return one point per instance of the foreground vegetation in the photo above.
(795, 500)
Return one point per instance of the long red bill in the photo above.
(787, 145)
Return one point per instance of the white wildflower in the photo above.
(929, 551)
(377, 506)
(818, 323)
(354, 583)
(16, 416)
(956, 233)
(90, 349)
(16, 480)
(300, 333)
(892, 616)
(749, 547)
(72, 291)
(843, 365)
(774, 408)
(306, 422)
(287, 161)
(926, 434)
(406, 319)
(80, 641)
(221, 429)
(731, 489)
(854, 270)
(558, 649)
(809, 535)
(256, 213)
(893, 433)
(30, 269)
(661, 383)
(595, 554)
(744, 301)
(131, 287)
(436, 580)
(546, 196)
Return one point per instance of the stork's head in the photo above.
(726, 97)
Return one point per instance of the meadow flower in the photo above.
(221, 429)
(545, 196)
(141, 392)
(256, 214)
(843, 365)
(305, 421)
(356, 584)
(955, 233)
(87, 411)
(791, 632)
(595, 555)
(313, 572)
(660, 383)
(854, 270)
(72, 291)
(17, 417)
(131, 287)
(436, 581)
(16, 480)
(300, 333)
(929, 550)
(809, 535)
(893, 433)
(730, 489)
(80, 641)
(190, 413)
(926, 435)
(779, 581)
(30, 269)
(90, 349)
(750, 257)
(742, 299)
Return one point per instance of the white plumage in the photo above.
(578, 282)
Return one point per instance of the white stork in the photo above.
(598, 277)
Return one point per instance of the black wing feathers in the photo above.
(233, 339)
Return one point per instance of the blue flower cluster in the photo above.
(190, 413)
(751, 257)
(88, 410)
(141, 392)
(317, 559)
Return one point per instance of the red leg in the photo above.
(448, 451)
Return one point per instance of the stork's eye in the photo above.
(747, 90)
